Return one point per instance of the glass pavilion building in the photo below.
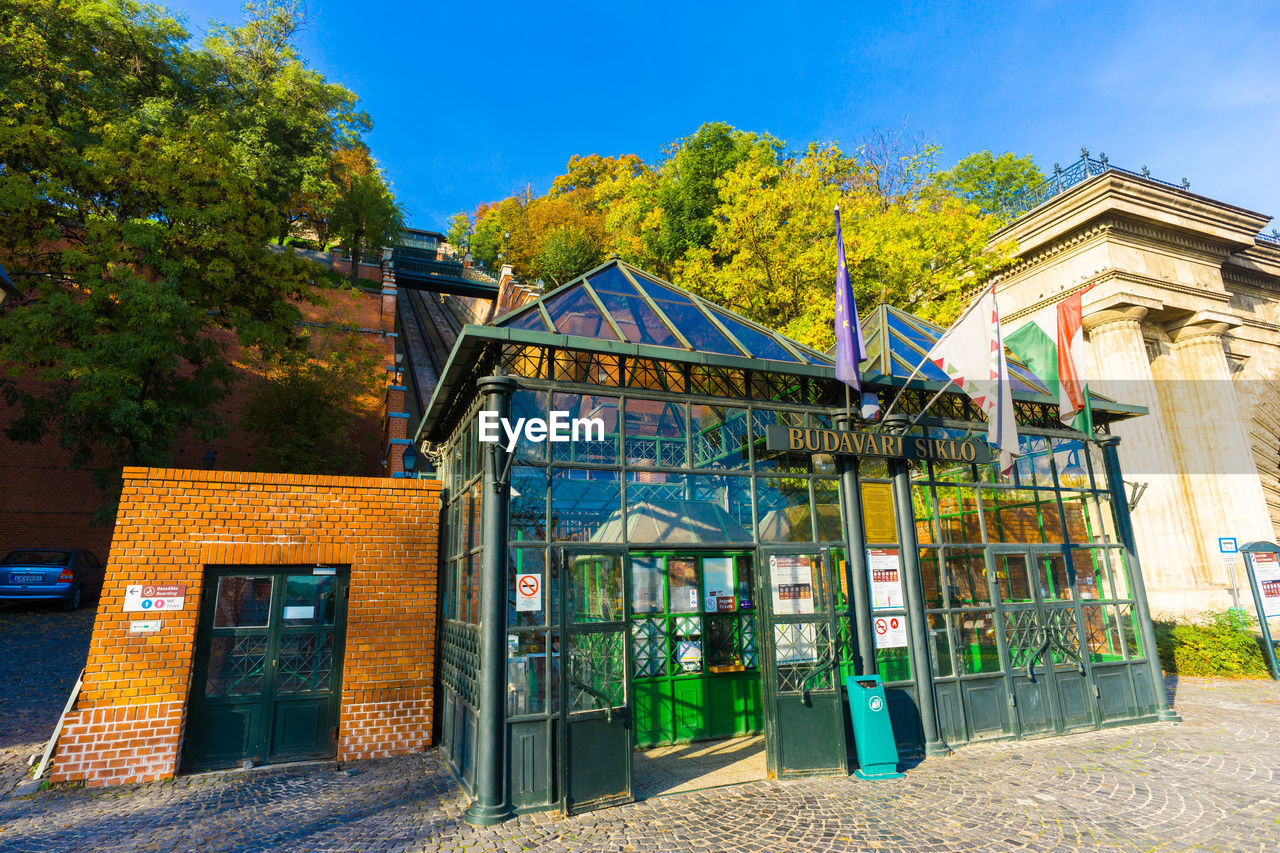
(681, 578)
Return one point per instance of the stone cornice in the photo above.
(1233, 228)
(1119, 276)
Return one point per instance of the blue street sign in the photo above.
(1227, 545)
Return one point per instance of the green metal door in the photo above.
(595, 710)
(267, 675)
(804, 723)
(1049, 679)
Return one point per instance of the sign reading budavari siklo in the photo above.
(848, 443)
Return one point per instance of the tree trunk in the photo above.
(355, 258)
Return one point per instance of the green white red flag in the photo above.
(1053, 348)
(971, 352)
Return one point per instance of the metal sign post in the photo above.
(1262, 563)
(1230, 551)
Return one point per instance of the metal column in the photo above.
(855, 540)
(490, 804)
(1124, 529)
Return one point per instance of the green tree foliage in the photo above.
(365, 215)
(135, 223)
(992, 182)
(458, 232)
(772, 254)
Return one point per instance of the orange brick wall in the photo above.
(127, 724)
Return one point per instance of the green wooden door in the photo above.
(1049, 679)
(595, 745)
(267, 676)
(805, 730)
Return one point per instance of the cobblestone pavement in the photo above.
(42, 650)
(1209, 783)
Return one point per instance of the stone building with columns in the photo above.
(1182, 316)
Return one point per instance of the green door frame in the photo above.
(260, 714)
(594, 744)
(1058, 665)
(804, 719)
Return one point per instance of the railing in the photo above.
(1064, 179)
(1270, 237)
(403, 263)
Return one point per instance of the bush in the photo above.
(1223, 645)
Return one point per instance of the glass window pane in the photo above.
(531, 320)
(967, 577)
(682, 582)
(596, 443)
(940, 645)
(629, 310)
(526, 672)
(783, 508)
(957, 510)
(719, 437)
(310, 599)
(646, 585)
(305, 662)
(530, 561)
(893, 664)
(1128, 618)
(930, 578)
(586, 506)
(1102, 633)
(595, 587)
(1052, 574)
(1091, 574)
(525, 405)
(692, 323)
(779, 461)
(759, 343)
(826, 505)
(719, 593)
(1011, 578)
(574, 313)
(236, 665)
(977, 650)
(656, 433)
(528, 504)
(243, 602)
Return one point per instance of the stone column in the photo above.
(1121, 370)
(1211, 425)
(490, 803)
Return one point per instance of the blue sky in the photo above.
(472, 101)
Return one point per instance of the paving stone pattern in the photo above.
(42, 650)
(1209, 783)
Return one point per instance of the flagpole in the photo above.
(927, 405)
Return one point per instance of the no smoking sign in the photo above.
(528, 593)
(891, 632)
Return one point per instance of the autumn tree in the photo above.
(364, 213)
(992, 182)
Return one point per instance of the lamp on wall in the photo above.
(1073, 476)
(210, 458)
(410, 459)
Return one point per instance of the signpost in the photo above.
(1262, 563)
(153, 598)
(1230, 551)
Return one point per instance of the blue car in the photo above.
(66, 575)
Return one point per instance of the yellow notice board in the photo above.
(877, 513)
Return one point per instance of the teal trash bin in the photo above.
(872, 731)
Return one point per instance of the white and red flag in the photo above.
(971, 352)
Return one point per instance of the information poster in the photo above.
(717, 580)
(791, 578)
(1266, 574)
(886, 578)
(877, 513)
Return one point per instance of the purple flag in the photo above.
(851, 349)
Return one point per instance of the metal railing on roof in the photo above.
(1273, 236)
(1064, 179)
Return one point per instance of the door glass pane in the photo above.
(893, 664)
(1054, 583)
(1011, 578)
(306, 661)
(646, 585)
(236, 665)
(1128, 619)
(977, 651)
(929, 578)
(682, 575)
(746, 583)
(595, 589)
(243, 602)
(1102, 633)
(310, 599)
(597, 676)
(966, 577)
(1091, 574)
(526, 672)
(940, 645)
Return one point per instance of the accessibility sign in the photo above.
(528, 592)
(890, 631)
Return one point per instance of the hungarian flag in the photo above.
(971, 352)
(1054, 350)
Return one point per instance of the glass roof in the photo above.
(910, 339)
(619, 302)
